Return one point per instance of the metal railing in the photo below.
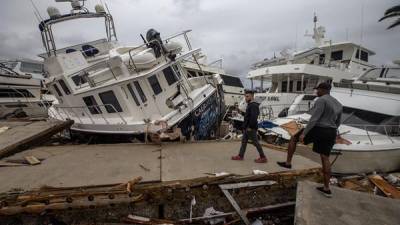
(267, 111)
(131, 55)
(87, 111)
(30, 100)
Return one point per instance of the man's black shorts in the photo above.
(322, 138)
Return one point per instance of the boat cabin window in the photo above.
(91, 103)
(78, 80)
(322, 59)
(64, 87)
(140, 91)
(110, 102)
(305, 83)
(232, 81)
(27, 67)
(155, 85)
(129, 86)
(176, 69)
(284, 86)
(192, 73)
(298, 85)
(15, 93)
(337, 55)
(170, 76)
(57, 90)
(393, 73)
(372, 74)
(291, 86)
(364, 55)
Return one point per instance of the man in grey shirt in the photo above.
(321, 130)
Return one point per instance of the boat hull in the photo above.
(349, 162)
(199, 124)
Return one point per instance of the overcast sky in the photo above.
(241, 32)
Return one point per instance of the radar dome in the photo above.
(53, 12)
(99, 9)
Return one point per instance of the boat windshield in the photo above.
(75, 32)
(381, 73)
(375, 122)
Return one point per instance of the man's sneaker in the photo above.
(237, 157)
(285, 165)
(261, 160)
(327, 193)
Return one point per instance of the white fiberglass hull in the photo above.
(367, 161)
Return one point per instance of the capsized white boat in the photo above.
(110, 88)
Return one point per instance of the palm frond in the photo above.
(393, 9)
(389, 16)
(396, 23)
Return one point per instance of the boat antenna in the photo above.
(144, 40)
(295, 43)
(108, 10)
(361, 30)
(36, 10)
(37, 17)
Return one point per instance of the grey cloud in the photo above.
(241, 32)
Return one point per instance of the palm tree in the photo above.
(392, 12)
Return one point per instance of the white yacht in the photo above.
(20, 94)
(293, 76)
(370, 122)
(109, 88)
(371, 108)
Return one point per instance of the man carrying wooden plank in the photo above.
(321, 130)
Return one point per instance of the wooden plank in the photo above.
(31, 133)
(7, 164)
(236, 206)
(385, 187)
(247, 184)
(32, 160)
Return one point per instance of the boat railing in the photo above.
(29, 100)
(71, 112)
(84, 73)
(267, 111)
(371, 131)
(132, 54)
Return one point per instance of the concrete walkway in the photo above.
(78, 165)
(346, 207)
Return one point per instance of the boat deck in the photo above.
(78, 165)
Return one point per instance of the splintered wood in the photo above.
(385, 187)
(32, 160)
(53, 198)
(22, 134)
(172, 194)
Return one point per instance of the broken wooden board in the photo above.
(346, 207)
(32, 160)
(10, 164)
(385, 187)
(23, 134)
